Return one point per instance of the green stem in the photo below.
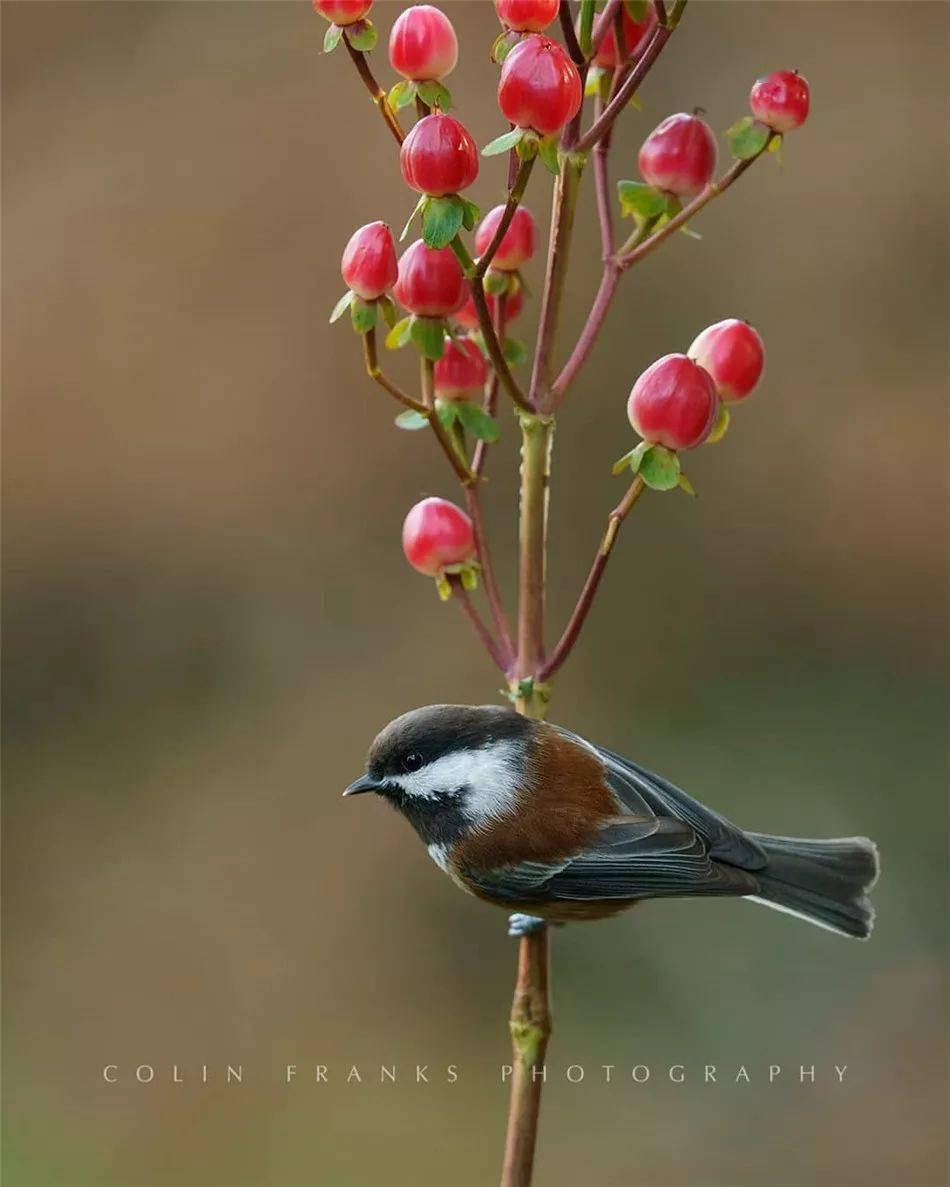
(537, 438)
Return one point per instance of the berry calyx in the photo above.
(468, 318)
(780, 100)
(438, 156)
(430, 281)
(423, 45)
(461, 372)
(369, 261)
(733, 354)
(674, 403)
(634, 34)
(679, 155)
(526, 16)
(437, 534)
(517, 244)
(539, 87)
(342, 12)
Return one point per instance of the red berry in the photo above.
(369, 261)
(342, 12)
(430, 282)
(468, 318)
(674, 403)
(733, 354)
(460, 373)
(539, 86)
(438, 156)
(436, 533)
(634, 34)
(527, 16)
(422, 44)
(780, 100)
(517, 244)
(679, 155)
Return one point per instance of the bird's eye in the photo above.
(412, 761)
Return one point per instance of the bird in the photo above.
(531, 817)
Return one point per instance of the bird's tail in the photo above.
(825, 882)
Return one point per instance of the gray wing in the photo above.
(630, 858)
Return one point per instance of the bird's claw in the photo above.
(525, 925)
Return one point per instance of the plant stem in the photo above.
(537, 435)
(515, 194)
(374, 371)
(576, 622)
(484, 634)
(602, 27)
(375, 90)
(458, 462)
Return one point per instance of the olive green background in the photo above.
(208, 616)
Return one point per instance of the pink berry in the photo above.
(369, 261)
(468, 318)
(342, 12)
(430, 282)
(679, 155)
(422, 44)
(634, 34)
(436, 533)
(674, 403)
(527, 16)
(438, 156)
(733, 354)
(460, 374)
(780, 100)
(539, 86)
(517, 244)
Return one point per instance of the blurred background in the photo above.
(208, 616)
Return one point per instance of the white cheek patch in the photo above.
(491, 777)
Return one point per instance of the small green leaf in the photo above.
(420, 206)
(596, 77)
(684, 484)
(660, 468)
(631, 460)
(528, 145)
(411, 420)
(637, 9)
(470, 214)
(444, 587)
(331, 39)
(636, 103)
(428, 333)
(442, 220)
(503, 143)
(721, 427)
(495, 282)
(475, 420)
(388, 310)
(342, 305)
(363, 315)
(547, 150)
(640, 201)
(435, 95)
(399, 335)
(747, 138)
(688, 231)
(503, 44)
(401, 94)
(447, 412)
(469, 578)
(362, 36)
(515, 352)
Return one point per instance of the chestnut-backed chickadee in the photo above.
(533, 818)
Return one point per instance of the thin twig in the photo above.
(602, 25)
(375, 90)
(458, 462)
(602, 189)
(374, 371)
(566, 643)
(487, 639)
(515, 194)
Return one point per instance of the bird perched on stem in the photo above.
(534, 819)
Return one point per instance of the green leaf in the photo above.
(503, 44)
(342, 305)
(447, 412)
(444, 587)
(596, 78)
(635, 102)
(470, 214)
(442, 220)
(428, 333)
(747, 138)
(640, 201)
(721, 427)
(475, 420)
(503, 143)
(495, 282)
(363, 315)
(388, 310)
(331, 39)
(631, 460)
(684, 484)
(435, 95)
(362, 36)
(469, 578)
(399, 335)
(515, 352)
(660, 468)
(401, 94)
(637, 9)
(419, 206)
(547, 150)
(528, 145)
(411, 420)
(688, 231)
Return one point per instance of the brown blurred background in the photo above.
(208, 616)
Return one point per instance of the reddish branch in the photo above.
(375, 90)
(488, 641)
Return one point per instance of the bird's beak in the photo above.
(363, 784)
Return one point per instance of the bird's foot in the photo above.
(525, 925)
